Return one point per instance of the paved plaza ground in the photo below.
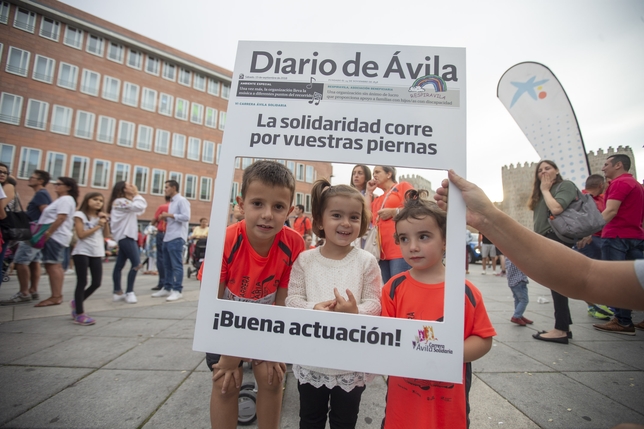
(135, 367)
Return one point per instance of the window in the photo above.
(158, 182)
(10, 108)
(211, 117)
(178, 145)
(25, 20)
(152, 66)
(36, 114)
(73, 37)
(213, 86)
(246, 162)
(208, 152)
(196, 113)
(309, 173)
(94, 45)
(149, 99)
(299, 198)
(67, 76)
(61, 120)
(55, 164)
(175, 176)
(121, 172)
(237, 162)
(126, 134)
(162, 142)
(181, 109)
(7, 151)
(78, 167)
(49, 29)
(299, 174)
(4, 13)
(184, 77)
(191, 187)
(194, 148)
(217, 154)
(134, 59)
(169, 71)
(144, 140)
(199, 82)
(44, 69)
(225, 90)
(165, 104)
(115, 52)
(234, 192)
(222, 120)
(206, 189)
(101, 174)
(111, 88)
(307, 203)
(84, 125)
(291, 166)
(105, 132)
(29, 161)
(90, 82)
(130, 94)
(18, 61)
(141, 178)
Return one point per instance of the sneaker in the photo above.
(130, 298)
(116, 297)
(18, 298)
(83, 319)
(72, 304)
(174, 295)
(604, 310)
(594, 312)
(35, 296)
(518, 321)
(640, 325)
(614, 327)
(160, 294)
(483, 272)
(70, 271)
(527, 321)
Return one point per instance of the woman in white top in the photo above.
(91, 226)
(59, 215)
(8, 191)
(124, 207)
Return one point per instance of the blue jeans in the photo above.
(622, 249)
(128, 250)
(520, 294)
(160, 257)
(391, 267)
(594, 249)
(173, 262)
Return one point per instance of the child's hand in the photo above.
(275, 369)
(325, 305)
(227, 367)
(345, 305)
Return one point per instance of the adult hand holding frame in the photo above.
(360, 104)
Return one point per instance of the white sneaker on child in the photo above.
(116, 297)
(174, 295)
(130, 298)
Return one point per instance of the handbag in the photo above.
(38, 236)
(17, 225)
(372, 242)
(580, 219)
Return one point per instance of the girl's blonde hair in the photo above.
(320, 194)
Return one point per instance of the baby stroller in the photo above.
(198, 255)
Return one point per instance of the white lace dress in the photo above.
(313, 278)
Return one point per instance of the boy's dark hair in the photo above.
(418, 208)
(300, 207)
(43, 175)
(320, 194)
(595, 181)
(173, 183)
(270, 173)
(620, 157)
(203, 218)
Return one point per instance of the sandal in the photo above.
(52, 300)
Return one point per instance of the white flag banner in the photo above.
(539, 105)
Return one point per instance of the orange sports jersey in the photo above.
(386, 228)
(250, 277)
(416, 403)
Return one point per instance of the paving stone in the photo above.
(18, 345)
(159, 311)
(143, 328)
(489, 410)
(182, 329)
(160, 354)
(52, 325)
(626, 387)
(628, 353)
(502, 358)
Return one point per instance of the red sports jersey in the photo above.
(416, 403)
(250, 277)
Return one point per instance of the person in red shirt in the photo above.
(160, 224)
(299, 222)
(420, 230)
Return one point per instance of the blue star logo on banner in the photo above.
(526, 87)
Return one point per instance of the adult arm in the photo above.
(60, 219)
(10, 193)
(547, 262)
(611, 210)
(182, 213)
(137, 204)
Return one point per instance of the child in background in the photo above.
(518, 283)
(340, 216)
(308, 242)
(259, 252)
(92, 227)
(419, 294)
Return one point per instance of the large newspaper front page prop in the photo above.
(367, 104)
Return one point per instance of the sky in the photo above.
(594, 47)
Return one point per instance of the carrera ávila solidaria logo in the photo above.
(426, 341)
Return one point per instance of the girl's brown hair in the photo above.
(84, 207)
(418, 208)
(320, 194)
(536, 186)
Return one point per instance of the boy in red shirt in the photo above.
(256, 265)
(419, 294)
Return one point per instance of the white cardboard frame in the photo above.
(375, 344)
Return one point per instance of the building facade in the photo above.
(84, 98)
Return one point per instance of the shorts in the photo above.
(53, 252)
(488, 250)
(26, 254)
(212, 358)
